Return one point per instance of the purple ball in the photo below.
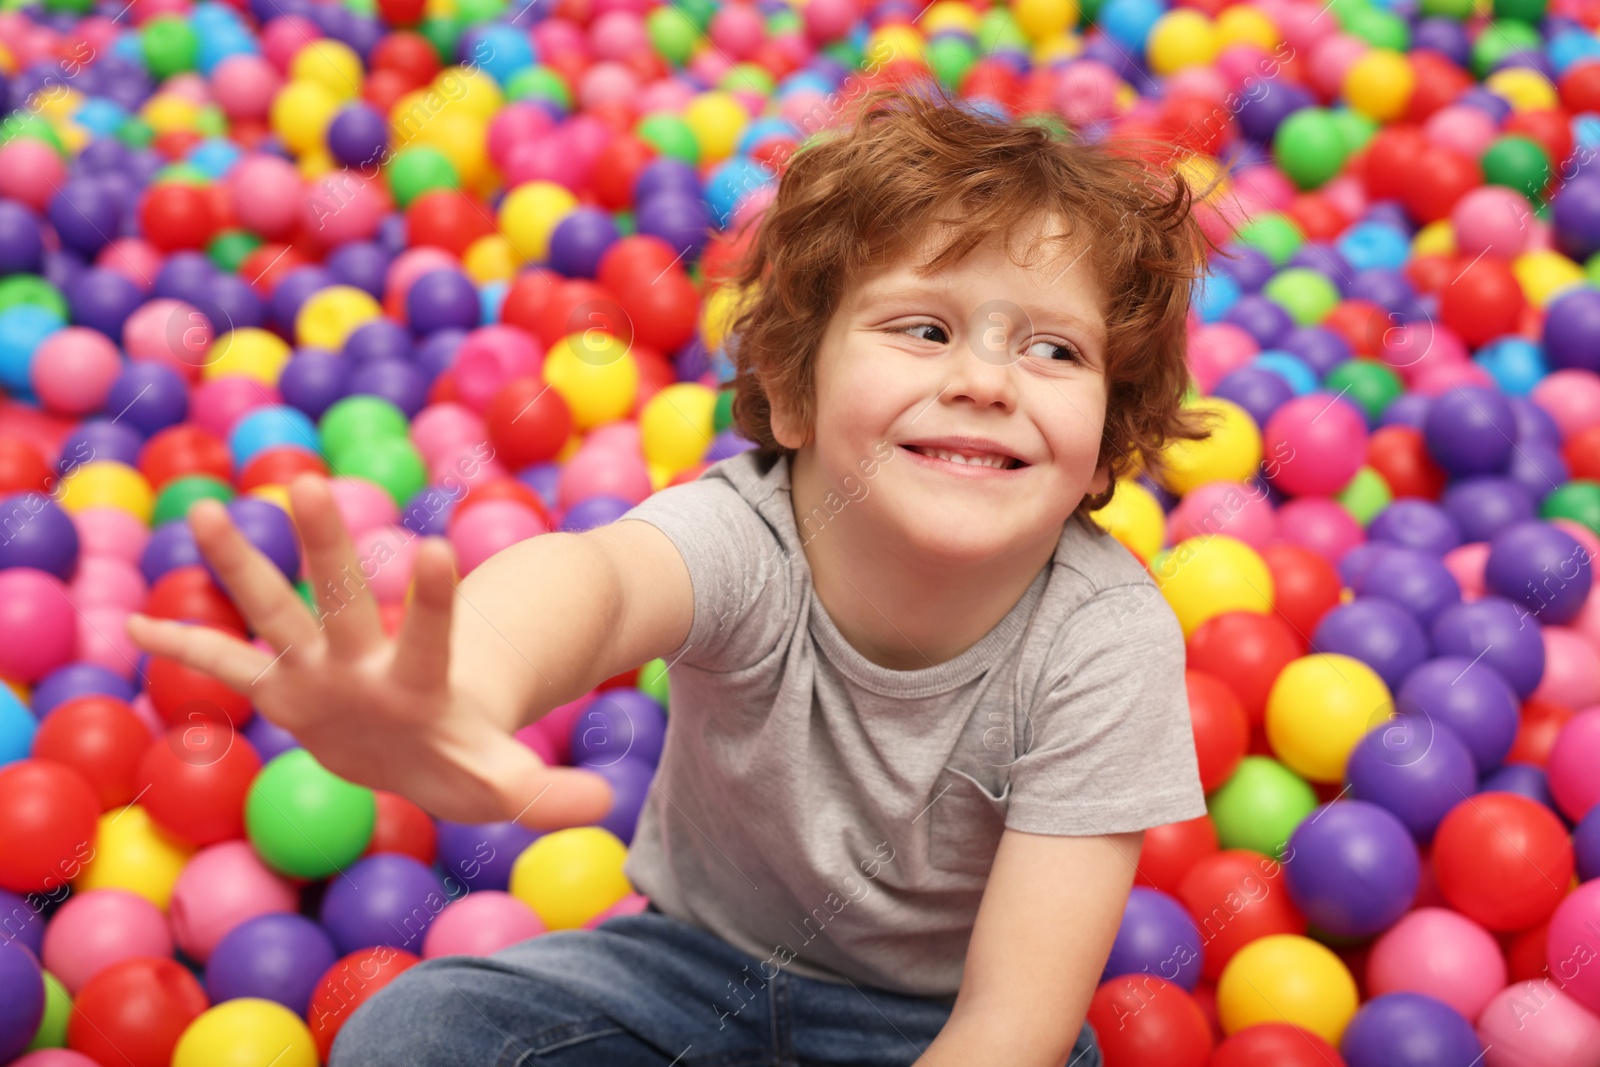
(268, 739)
(20, 921)
(691, 361)
(22, 1006)
(1470, 429)
(1354, 564)
(1267, 105)
(1325, 260)
(1472, 699)
(183, 276)
(579, 241)
(1572, 330)
(293, 290)
(1541, 567)
(1575, 212)
(1387, 288)
(630, 785)
(149, 397)
(1417, 581)
(363, 264)
(1586, 844)
(1485, 101)
(1408, 1030)
(1484, 506)
(1355, 868)
(270, 530)
(85, 214)
(402, 384)
(171, 545)
(619, 723)
(442, 300)
(1156, 936)
(358, 135)
(1523, 779)
(1261, 318)
(1537, 469)
(1250, 267)
(480, 856)
(437, 352)
(1256, 389)
(1416, 524)
(383, 899)
(1379, 633)
(102, 300)
(278, 957)
(21, 240)
(665, 175)
(1534, 424)
(727, 443)
(1318, 348)
(594, 511)
(313, 380)
(38, 534)
(1407, 409)
(231, 303)
(73, 680)
(427, 514)
(1414, 767)
(1446, 36)
(682, 221)
(382, 338)
(99, 440)
(542, 478)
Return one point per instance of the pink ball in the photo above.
(549, 159)
(102, 634)
(363, 505)
(552, 36)
(463, 466)
(244, 86)
(632, 904)
(480, 924)
(1302, 25)
(515, 124)
(1331, 60)
(608, 83)
(107, 581)
(284, 36)
(1227, 508)
(73, 369)
(664, 94)
(1491, 220)
(439, 428)
(1218, 349)
(602, 472)
(557, 724)
(222, 886)
(1086, 91)
(737, 29)
(132, 257)
(387, 557)
(1442, 377)
(1465, 130)
(1573, 783)
(1571, 669)
(1535, 1024)
(38, 627)
(1320, 524)
(491, 356)
(618, 35)
(1241, 63)
(110, 532)
(1266, 184)
(1439, 953)
(1571, 398)
(54, 1057)
(1323, 440)
(1203, 82)
(828, 20)
(542, 746)
(622, 435)
(188, 85)
(170, 332)
(93, 930)
(30, 171)
(1587, 621)
(219, 403)
(1573, 927)
(267, 194)
(1466, 565)
(486, 528)
(342, 207)
(1346, 194)
(1582, 534)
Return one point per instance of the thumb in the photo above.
(541, 797)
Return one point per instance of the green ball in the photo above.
(303, 588)
(1309, 146)
(1380, 29)
(1529, 11)
(1355, 129)
(229, 248)
(26, 124)
(170, 46)
(845, 52)
(673, 34)
(626, 224)
(539, 83)
(1307, 295)
(392, 463)
(1578, 500)
(182, 174)
(1365, 496)
(653, 681)
(135, 132)
(1260, 806)
(362, 7)
(476, 12)
(998, 32)
(1592, 268)
(180, 494)
(32, 289)
(417, 170)
(71, 7)
(52, 1031)
(1273, 235)
(747, 78)
(1460, 10)
(1372, 385)
(305, 821)
(359, 420)
(1498, 40)
(699, 12)
(722, 413)
(1519, 163)
(669, 135)
(211, 121)
(443, 32)
(950, 58)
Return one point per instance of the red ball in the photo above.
(1221, 728)
(195, 780)
(183, 450)
(635, 260)
(1430, 274)
(1484, 302)
(1550, 129)
(180, 692)
(577, 305)
(384, 88)
(1580, 86)
(1389, 162)
(722, 254)
(101, 738)
(1172, 850)
(1305, 585)
(1278, 1044)
(1450, 177)
(280, 466)
(663, 310)
(1541, 721)
(1502, 860)
(1317, 217)
(190, 593)
(1234, 897)
(22, 468)
(526, 298)
(1246, 651)
(447, 219)
(349, 984)
(511, 489)
(1582, 453)
(1361, 324)
(528, 422)
(48, 813)
(1400, 456)
(401, 12)
(617, 169)
(267, 265)
(1438, 83)
(404, 828)
(174, 216)
(133, 1012)
(1196, 123)
(1527, 952)
(407, 54)
(1145, 1021)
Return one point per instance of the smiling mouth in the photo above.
(985, 459)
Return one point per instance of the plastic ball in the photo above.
(386, 899)
(1287, 978)
(1316, 443)
(1439, 953)
(1533, 1022)
(131, 852)
(1541, 567)
(304, 821)
(479, 925)
(1277, 1043)
(1260, 806)
(222, 886)
(1156, 937)
(246, 1031)
(1147, 1020)
(135, 1012)
(1410, 1028)
(1229, 453)
(91, 931)
(48, 814)
(347, 985)
(1355, 868)
(1319, 708)
(277, 956)
(568, 876)
(1502, 860)
(1204, 577)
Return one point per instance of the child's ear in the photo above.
(1101, 480)
(784, 428)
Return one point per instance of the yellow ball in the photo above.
(1204, 175)
(1319, 707)
(1062, 46)
(470, 90)
(717, 313)
(107, 484)
(274, 493)
(1230, 454)
(1202, 577)
(440, 9)
(300, 114)
(333, 314)
(1545, 275)
(953, 16)
(1181, 38)
(1041, 19)
(316, 163)
(1286, 978)
(74, 138)
(1379, 84)
(894, 44)
(490, 259)
(1134, 517)
(250, 351)
(569, 876)
(331, 64)
(529, 215)
(659, 476)
(716, 119)
(246, 1032)
(1523, 89)
(595, 374)
(462, 137)
(131, 852)
(675, 427)
(1242, 24)
(1437, 238)
(168, 112)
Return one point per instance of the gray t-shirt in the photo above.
(839, 818)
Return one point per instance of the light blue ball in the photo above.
(1368, 245)
(731, 182)
(1291, 368)
(276, 426)
(17, 727)
(502, 51)
(215, 156)
(22, 329)
(492, 294)
(1213, 295)
(1128, 22)
(1515, 363)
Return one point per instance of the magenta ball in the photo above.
(486, 528)
(1535, 1024)
(1491, 220)
(221, 887)
(1441, 953)
(1571, 767)
(54, 1057)
(73, 369)
(1571, 669)
(93, 930)
(1320, 524)
(490, 357)
(1572, 937)
(599, 471)
(480, 924)
(1230, 508)
(38, 626)
(1323, 441)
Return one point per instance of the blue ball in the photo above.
(22, 329)
(17, 727)
(1301, 378)
(1354, 869)
(275, 426)
(1129, 22)
(1409, 1030)
(1515, 363)
(1213, 295)
(1157, 937)
(1372, 244)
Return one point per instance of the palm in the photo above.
(377, 711)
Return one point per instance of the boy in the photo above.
(922, 707)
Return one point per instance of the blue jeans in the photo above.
(641, 990)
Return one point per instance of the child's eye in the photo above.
(1056, 352)
(935, 327)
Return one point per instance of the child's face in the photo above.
(986, 349)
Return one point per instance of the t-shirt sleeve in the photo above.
(738, 567)
(1111, 747)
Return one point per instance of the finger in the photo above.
(236, 664)
(347, 609)
(264, 597)
(422, 657)
(541, 797)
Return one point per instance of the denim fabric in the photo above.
(641, 990)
